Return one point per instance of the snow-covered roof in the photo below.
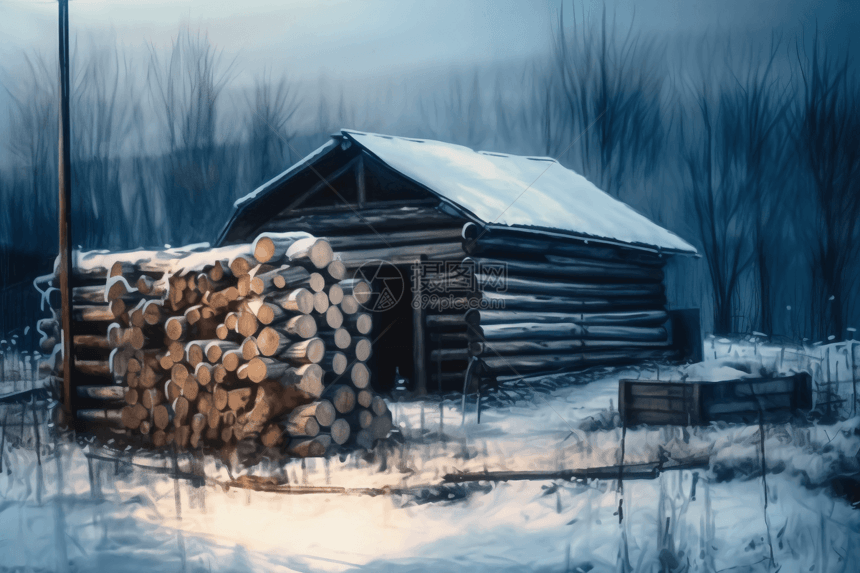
(528, 193)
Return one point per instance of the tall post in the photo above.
(65, 205)
(419, 350)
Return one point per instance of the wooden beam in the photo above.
(359, 181)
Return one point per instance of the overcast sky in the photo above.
(365, 44)
(366, 38)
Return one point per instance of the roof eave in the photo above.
(552, 232)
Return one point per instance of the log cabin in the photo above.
(481, 263)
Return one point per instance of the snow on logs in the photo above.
(201, 347)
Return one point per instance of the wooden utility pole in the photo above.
(65, 204)
(419, 348)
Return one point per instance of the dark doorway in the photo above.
(391, 309)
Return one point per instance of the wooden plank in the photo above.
(657, 390)
(658, 418)
(658, 404)
(770, 402)
(765, 387)
(694, 408)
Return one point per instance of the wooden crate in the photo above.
(692, 403)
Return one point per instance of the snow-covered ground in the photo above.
(115, 517)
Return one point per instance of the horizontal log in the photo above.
(360, 323)
(98, 368)
(335, 293)
(584, 270)
(316, 252)
(383, 219)
(105, 393)
(449, 321)
(281, 278)
(321, 303)
(117, 287)
(339, 431)
(125, 337)
(342, 397)
(336, 362)
(176, 327)
(272, 341)
(232, 359)
(534, 331)
(238, 399)
(546, 303)
(215, 349)
(359, 375)
(371, 240)
(512, 285)
(335, 271)
(250, 348)
(508, 347)
(92, 313)
(89, 294)
(402, 255)
(444, 354)
(349, 305)
(92, 341)
(274, 246)
(339, 338)
(361, 349)
(261, 368)
(359, 418)
(624, 318)
(499, 242)
(364, 398)
(545, 363)
(322, 410)
(309, 447)
(358, 288)
(299, 300)
(301, 424)
(333, 317)
(99, 416)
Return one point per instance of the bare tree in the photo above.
(755, 107)
(33, 144)
(458, 114)
(611, 100)
(827, 129)
(709, 141)
(270, 127)
(102, 106)
(197, 180)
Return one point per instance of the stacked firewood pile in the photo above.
(209, 347)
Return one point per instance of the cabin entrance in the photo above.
(390, 307)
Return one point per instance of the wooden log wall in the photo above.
(563, 304)
(249, 348)
(551, 304)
